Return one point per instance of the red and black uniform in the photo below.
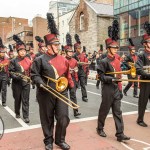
(111, 94)
(22, 66)
(86, 68)
(53, 66)
(133, 59)
(143, 60)
(31, 56)
(73, 67)
(80, 57)
(4, 77)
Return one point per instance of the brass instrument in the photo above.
(2, 66)
(73, 70)
(130, 80)
(24, 77)
(131, 71)
(61, 84)
(83, 63)
(146, 69)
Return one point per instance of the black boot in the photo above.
(122, 138)
(63, 145)
(76, 113)
(125, 93)
(101, 132)
(49, 147)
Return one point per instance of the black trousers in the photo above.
(98, 82)
(135, 91)
(111, 99)
(144, 96)
(82, 84)
(72, 93)
(50, 107)
(21, 95)
(3, 89)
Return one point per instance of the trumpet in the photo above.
(61, 85)
(146, 69)
(24, 77)
(131, 71)
(83, 63)
(73, 70)
(2, 66)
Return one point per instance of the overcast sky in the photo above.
(24, 8)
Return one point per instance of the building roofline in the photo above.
(88, 3)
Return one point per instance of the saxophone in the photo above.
(2, 66)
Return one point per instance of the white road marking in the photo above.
(90, 83)
(138, 141)
(20, 121)
(121, 100)
(72, 121)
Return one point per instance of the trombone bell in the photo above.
(61, 83)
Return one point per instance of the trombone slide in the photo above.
(60, 96)
(130, 80)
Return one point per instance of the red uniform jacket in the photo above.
(73, 66)
(61, 67)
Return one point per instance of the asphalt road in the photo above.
(87, 109)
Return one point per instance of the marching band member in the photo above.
(98, 59)
(80, 57)
(42, 48)
(86, 66)
(31, 54)
(53, 65)
(144, 62)
(4, 62)
(20, 88)
(73, 66)
(11, 52)
(111, 91)
(132, 57)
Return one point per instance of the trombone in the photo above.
(131, 71)
(24, 77)
(61, 85)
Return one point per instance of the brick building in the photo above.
(10, 24)
(39, 29)
(27, 34)
(90, 21)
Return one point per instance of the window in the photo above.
(81, 21)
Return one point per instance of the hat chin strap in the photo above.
(110, 51)
(53, 50)
(147, 45)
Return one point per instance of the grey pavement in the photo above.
(87, 109)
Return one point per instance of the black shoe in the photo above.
(4, 104)
(17, 116)
(135, 96)
(97, 87)
(142, 123)
(125, 93)
(76, 114)
(26, 120)
(63, 145)
(85, 99)
(101, 133)
(122, 138)
(49, 147)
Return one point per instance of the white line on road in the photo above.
(90, 83)
(72, 121)
(121, 100)
(20, 121)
